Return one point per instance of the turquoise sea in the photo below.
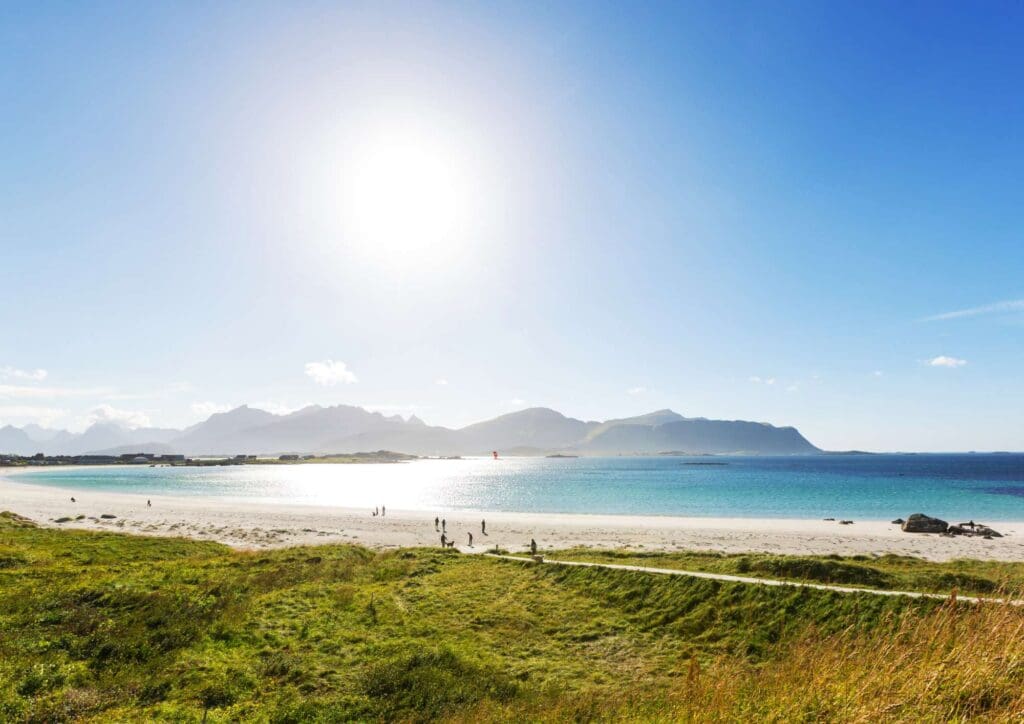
(983, 487)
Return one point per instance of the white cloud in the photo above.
(762, 380)
(205, 409)
(329, 373)
(944, 361)
(636, 390)
(128, 418)
(514, 402)
(878, 373)
(13, 373)
(1004, 307)
(441, 381)
(793, 388)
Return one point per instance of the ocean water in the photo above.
(982, 487)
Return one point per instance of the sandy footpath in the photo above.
(247, 524)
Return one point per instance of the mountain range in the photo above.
(345, 429)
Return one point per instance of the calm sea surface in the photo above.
(989, 487)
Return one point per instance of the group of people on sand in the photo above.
(441, 526)
(381, 511)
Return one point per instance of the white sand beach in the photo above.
(247, 524)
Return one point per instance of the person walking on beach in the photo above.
(483, 527)
(444, 525)
(444, 540)
(533, 547)
(470, 539)
(437, 523)
(383, 511)
(149, 503)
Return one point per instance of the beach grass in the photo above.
(102, 626)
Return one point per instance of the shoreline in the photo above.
(255, 525)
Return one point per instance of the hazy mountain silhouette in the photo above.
(345, 428)
(700, 436)
(16, 441)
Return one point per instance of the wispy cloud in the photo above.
(441, 382)
(878, 373)
(36, 392)
(636, 390)
(944, 361)
(329, 373)
(21, 414)
(13, 373)
(514, 402)
(165, 392)
(762, 380)
(1005, 307)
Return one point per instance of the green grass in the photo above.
(888, 572)
(109, 627)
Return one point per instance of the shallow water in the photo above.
(989, 487)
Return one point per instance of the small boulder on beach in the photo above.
(108, 516)
(899, 521)
(972, 530)
(921, 523)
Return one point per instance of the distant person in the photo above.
(149, 503)
(383, 511)
(444, 525)
(470, 539)
(533, 547)
(437, 523)
(73, 500)
(376, 511)
(483, 527)
(444, 540)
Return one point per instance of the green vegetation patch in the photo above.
(102, 626)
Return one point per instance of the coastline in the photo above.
(256, 525)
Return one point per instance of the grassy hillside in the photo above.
(101, 626)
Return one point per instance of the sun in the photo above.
(407, 197)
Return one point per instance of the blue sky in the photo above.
(737, 210)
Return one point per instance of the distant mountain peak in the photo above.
(348, 428)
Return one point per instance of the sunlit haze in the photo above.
(810, 217)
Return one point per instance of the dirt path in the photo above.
(759, 581)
